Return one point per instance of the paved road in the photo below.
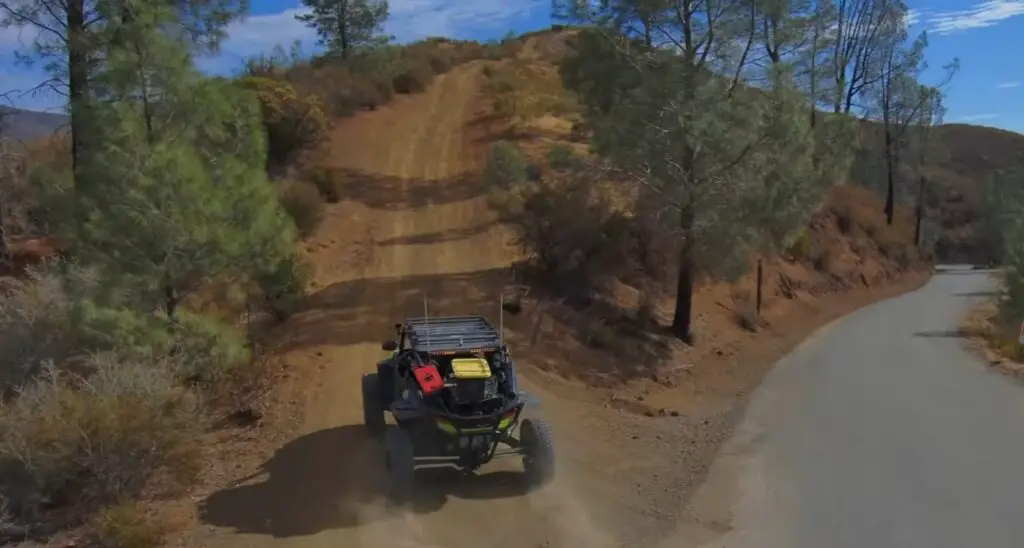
(881, 432)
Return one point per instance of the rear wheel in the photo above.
(401, 464)
(538, 452)
(373, 409)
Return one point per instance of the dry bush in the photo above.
(744, 311)
(36, 325)
(342, 92)
(29, 207)
(293, 122)
(366, 82)
(126, 525)
(523, 88)
(822, 257)
(329, 182)
(77, 442)
(414, 78)
(579, 237)
(303, 203)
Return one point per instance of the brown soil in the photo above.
(414, 227)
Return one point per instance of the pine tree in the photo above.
(181, 162)
(344, 26)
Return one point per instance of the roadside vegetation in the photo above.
(998, 321)
(709, 141)
(624, 162)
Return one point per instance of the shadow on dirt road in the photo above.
(392, 193)
(292, 500)
(365, 310)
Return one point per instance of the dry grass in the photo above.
(523, 89)
(995, 338)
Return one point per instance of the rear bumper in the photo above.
(493, 424)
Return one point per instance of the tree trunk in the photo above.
(919, 213)
(890, 191)
(78, 83)
(171, 301)
(5, 251)
(683, 314)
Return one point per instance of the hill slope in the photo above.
(966, 157)
(962, 159)
(30, 125)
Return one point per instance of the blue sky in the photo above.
(988, 90)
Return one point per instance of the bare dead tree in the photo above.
(857, 29)
(931, 115)
(900, 97)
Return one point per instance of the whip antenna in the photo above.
(426, 319)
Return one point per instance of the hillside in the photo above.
(966, 157)
(30, 125)
(416, 225)
(387, 172)
(962, 159)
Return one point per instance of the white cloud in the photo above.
(912, 17)
(1009, 85)
(977, 117)
(409, 20)
(415, 19)
(983, 14)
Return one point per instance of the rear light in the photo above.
(506, 419)
(447, 427)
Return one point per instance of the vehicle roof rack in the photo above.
(453, 333)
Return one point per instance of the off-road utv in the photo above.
(450, 385)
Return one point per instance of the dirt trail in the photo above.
(418, 226)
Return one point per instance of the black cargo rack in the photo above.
(452, 333)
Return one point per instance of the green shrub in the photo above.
(562, 157)
(283, 286)
(302, 202)
(206, 348)
(506, 166)
(108, 328)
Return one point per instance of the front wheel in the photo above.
(538, 452)
(373, 409)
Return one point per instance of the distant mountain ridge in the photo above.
(30, 125)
